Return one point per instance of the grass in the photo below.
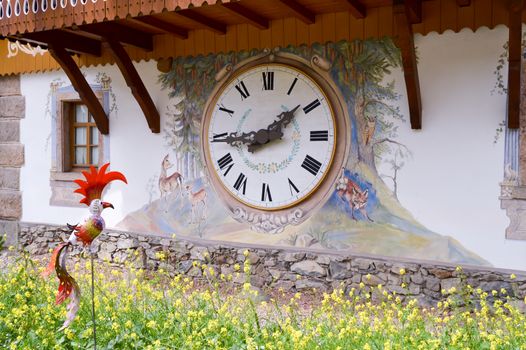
(141, 310)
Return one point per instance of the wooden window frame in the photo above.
(63, 172)
(69, 113)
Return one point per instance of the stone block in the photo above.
(10, 85)
(9, 178)
(433, 284)
(12, 107)
(310, 284)
(340, 271)
(449, 283)
(372, 280)
(12, 155)
(9, 131)
(308, 268)
(363, 264)
(10, 205)
(11, 230)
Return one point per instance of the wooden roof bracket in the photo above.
(300, 11)
(514, 63)
(464, 3)
(80, 84)
(206, 22)
(162, 25)
(250, 16)
(134, 82)
(403, 12)
(356, 8)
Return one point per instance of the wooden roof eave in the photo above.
(183, 19)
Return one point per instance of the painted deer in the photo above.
(350, 192)
(168, 184)
(197, 199)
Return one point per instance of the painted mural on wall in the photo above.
(363, 213)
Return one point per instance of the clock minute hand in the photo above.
(284, 119)
(273, 131)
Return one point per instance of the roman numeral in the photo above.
(226, 110)
(265, 193)
(293, 187)
(311, 165)
(226, 162)
(268, 80)
(242, 89)
(241, 181)
(292, 86)
(320, 135)
(311, 106)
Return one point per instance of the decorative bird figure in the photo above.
(91, 189)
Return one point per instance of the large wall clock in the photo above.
(275, 136)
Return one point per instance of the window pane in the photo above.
(81, 113)
(80, 136)
(94, 136)
(80, 155)
(94, 155)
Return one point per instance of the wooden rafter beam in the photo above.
(300, 11)
(514, 63)
(163, 25)
(80, 84)
(70, 41)
(413, 9)
(356, 8)
(206, 22)
(248, 15)
(407, 48)
(133, 80)
(121, 33)
(464, 3)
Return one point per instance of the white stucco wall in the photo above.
(134, 150)
(451, 185)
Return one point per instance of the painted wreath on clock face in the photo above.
(271, 136)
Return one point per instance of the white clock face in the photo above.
(271, 136)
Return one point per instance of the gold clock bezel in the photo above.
(338, 109)
(233, 77)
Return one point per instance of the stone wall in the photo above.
(12, 109)
(289, 269)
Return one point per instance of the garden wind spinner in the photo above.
(91, 189)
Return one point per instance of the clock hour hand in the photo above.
(234, 139)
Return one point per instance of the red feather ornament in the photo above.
(95, 182)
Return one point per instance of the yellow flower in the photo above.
(512, 276)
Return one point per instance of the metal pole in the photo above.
(93, 319)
